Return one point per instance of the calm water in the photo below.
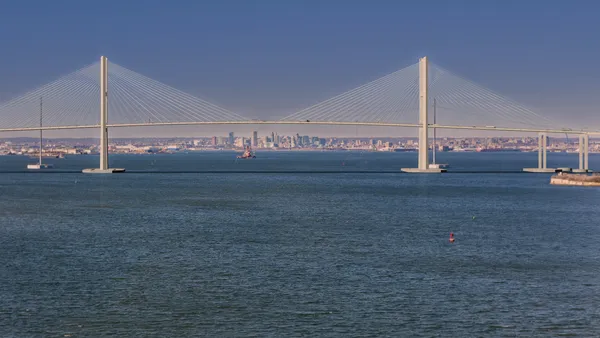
(328, 161)
(289, 253)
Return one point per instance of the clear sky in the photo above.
(269, 58)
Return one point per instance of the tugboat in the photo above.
(247, 154)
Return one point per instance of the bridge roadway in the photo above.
(319, 123)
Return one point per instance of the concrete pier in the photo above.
(539, 170)
(423, 171)
(581, 146)
(423, 166)
(103, 121)
(583, 154)
(103, 171)
(542, 157)
(586, 152)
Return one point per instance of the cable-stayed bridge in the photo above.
(404, 98)
(71, 102)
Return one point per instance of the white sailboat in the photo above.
(40, 165)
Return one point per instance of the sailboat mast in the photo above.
(41, 131)
(434, 122)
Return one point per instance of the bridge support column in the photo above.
(586, 152)
(584, 149)
(423, 166)
(540, 151)
(423, 115)
(542, 157)
(103, 169)
(103, 113)
(581, 151)
(544, 150)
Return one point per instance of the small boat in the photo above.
(247, 154)
(40, 166)
(439, 166)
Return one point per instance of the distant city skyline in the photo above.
(267, 59)
(276, 142)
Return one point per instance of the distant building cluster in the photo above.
(273, 141)
(50, 149)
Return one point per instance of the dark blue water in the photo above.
(291, 253)
(293, 161)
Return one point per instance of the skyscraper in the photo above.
(255, 139)
(231, 138)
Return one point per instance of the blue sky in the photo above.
(270, 57)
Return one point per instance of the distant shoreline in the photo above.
(285, 150)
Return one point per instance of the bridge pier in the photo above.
(423, 166)
(543, 151)
(103, 169)
(586, 152)
(584, 149)
(543, 157)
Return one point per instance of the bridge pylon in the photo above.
(543, 157)
(103, 169)
(423, 166)
(584, 152)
